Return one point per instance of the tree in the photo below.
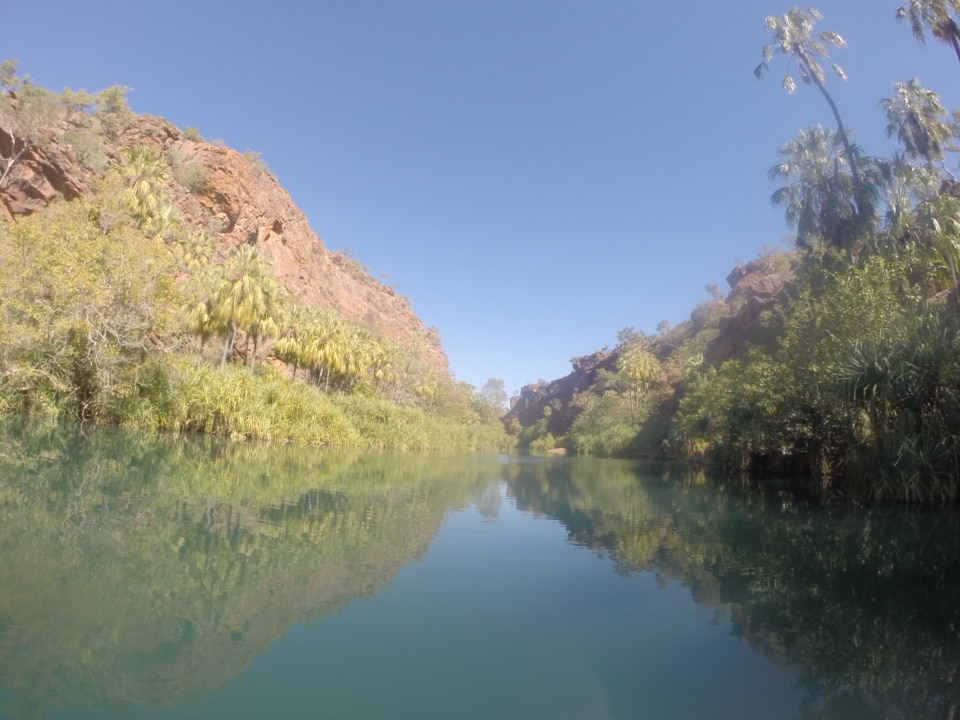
(112, 107)
(937, 15)
(820, 199)
(916, 116)
(640, 369)
(146, 174)
(8, 74)
(80, 308)
(794, 37)
(34, 109)
(491, 400)
(77, 101)
(246, 299)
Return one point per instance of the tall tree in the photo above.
(935, 15)
(146, 174)
(245, 299)
(640, 369)
(819, 198)
(793, 36)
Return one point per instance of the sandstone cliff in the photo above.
(240, 199)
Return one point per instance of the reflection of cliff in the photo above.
(865, 604)
(150, 572)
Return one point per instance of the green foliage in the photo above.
(491, 401)
(77, 325)
(246, 298)
(113, 100)
(146, 174)
(213, 543)
(77, 101)
(606, 425)
(256, 159)
(35, 110)
(265, 406)
(939, 17)
(917, 118)
(193, 176)
(113, 110)
(828, 400)
(640, 369)
(192, 134)
(8, 74)
(89, 148)
(907, 385)
(99, 297)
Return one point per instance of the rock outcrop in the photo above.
(754, 289)
(237, 197)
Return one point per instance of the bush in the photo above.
(89, 149)
(193, 176)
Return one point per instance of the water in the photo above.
(187, 578)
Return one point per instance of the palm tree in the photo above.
(146, 175)
(246, 299)
(906, 185)
(820, 200)
(916, 116)
(935, 15)
(794, 37)
(640, 369)
(267, 323)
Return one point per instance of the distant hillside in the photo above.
(718, 330)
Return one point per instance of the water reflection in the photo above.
(138, 571)
(148, 572)
(865, 604)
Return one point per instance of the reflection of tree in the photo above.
(865, 603)
(149, 571)
(489, 500)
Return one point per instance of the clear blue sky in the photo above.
(534, 174)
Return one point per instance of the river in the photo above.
(162, 577)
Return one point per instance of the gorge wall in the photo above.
(238, 199)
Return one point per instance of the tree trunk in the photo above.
(13, 158)
(859, 198)
(955, 38)
(253, 356)
(227, 346)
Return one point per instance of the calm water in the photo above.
(162, 578)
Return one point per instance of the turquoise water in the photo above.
(164, 578)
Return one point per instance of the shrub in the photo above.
(89, 149)
(193, 176)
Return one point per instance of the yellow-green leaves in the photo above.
(78, 302)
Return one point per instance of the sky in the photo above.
(535, 175)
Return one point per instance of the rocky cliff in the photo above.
(732, 323)
(232, 193)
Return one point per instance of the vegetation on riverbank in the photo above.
(114, 309)
(851, 373)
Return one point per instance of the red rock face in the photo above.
(754, 288)
(247, 203)
(41, 173)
